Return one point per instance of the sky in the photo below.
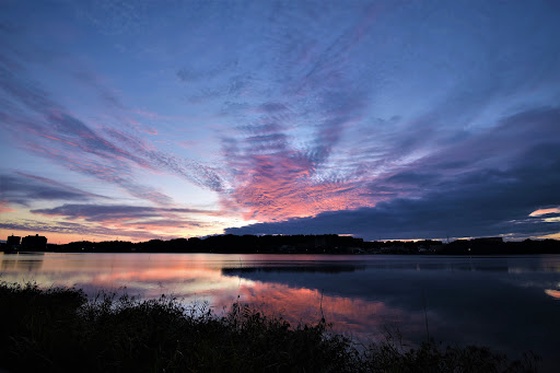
(138, 120)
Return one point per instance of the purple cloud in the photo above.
(482, 187)
(133, 222)
(46, 128)
(100, 213)
(24, 189)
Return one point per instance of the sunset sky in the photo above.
(134, 120)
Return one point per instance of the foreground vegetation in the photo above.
(61, 330)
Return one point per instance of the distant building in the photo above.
(13, 241)
(34, 243)
(12, 244)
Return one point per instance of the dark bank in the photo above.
(293, 244)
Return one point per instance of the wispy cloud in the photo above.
(124, 221)
(74, 229)
(46, 128)
(482, 187)
(547, 212)
(100, 213)
(24, 189)
(319, 142)
(283, 150)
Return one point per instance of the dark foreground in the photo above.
(61, 330)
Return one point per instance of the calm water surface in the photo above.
(509, 303)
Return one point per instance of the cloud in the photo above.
(284, 152)
(77, 229)
(548, 212)
(45, 128)
(123, 221)
(488, 185)
(24, 189)
(112, 154)
(279, 185)
(274, 178)
(312, 142)
(39, 226)
(101, 213)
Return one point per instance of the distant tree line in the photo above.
(247, 244)
(314, 244)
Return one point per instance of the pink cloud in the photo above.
(282, 185)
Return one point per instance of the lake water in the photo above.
(509, 303)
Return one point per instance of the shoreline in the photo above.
(304, 244)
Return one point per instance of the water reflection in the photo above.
(359, 318)
(502, 302)
(317, 268)
(25, 262)
(507, 302)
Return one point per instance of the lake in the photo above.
(511, 304)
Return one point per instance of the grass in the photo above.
(60, 330)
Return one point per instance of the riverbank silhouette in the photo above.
(307, 244)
